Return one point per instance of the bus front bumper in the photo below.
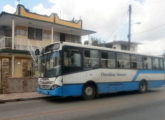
(63, 91)
(54, 92)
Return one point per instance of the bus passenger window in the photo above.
(111, 60)
(94, 58)
(147, 63)
(72, 58)
(139, 62)
(133, 61)
(123, 60)
(161, 64)
(104, 59)
(155, 63)
(91, 58)
(87, 61)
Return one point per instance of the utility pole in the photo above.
(129, 28)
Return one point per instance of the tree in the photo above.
(95, 41)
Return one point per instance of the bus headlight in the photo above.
(53, 87)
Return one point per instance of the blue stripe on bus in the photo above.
(147, 72)
(65, 90)
(76, 89)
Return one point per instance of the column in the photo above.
(90, 40)
(13, 33)
(52, 34)
(12, 66)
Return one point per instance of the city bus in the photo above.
(70, 69)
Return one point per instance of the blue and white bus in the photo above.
(69, 69)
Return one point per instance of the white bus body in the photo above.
(76, 76)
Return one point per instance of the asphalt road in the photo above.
(116, 106)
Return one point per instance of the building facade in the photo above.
(122, 45)
(22, 32)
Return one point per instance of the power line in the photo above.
(149, 30)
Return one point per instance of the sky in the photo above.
(109, 18)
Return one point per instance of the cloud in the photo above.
(40, 9)
(8, 8)
(152, 48)
(102, 16)
(109, 18)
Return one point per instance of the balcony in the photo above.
(6, 43)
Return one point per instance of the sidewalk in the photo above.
(20, 96)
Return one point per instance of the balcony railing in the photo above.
(19, 44)
(6, 43)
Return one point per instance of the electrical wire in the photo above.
(150, 30)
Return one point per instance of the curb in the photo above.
(22, 99)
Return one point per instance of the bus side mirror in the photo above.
(37, 52)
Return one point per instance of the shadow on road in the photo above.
(64, 100)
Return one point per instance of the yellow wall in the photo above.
(52, 18)
(23, 40)
(24, 13)
(70, 24)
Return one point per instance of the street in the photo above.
(116, 106)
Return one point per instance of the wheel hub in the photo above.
(89, 91)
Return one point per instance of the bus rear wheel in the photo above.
(89, 92)
(143, 87)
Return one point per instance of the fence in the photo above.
(20, 85)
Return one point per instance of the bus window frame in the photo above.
(115, 58)
(90, 68)
(64, 48)
(83, 68)
(128, 61)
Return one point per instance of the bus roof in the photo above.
(103, 48)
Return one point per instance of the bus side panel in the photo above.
(117, 87)
(72, 90)
(156, 83)
(154, 78)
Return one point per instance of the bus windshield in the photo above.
(50, 65)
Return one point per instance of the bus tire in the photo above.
(143, 87)
(89, 92)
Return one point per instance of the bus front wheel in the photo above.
(143, 87)
(89, 92)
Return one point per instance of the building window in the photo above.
(34, 33)
(62, 37)
(124, 47)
